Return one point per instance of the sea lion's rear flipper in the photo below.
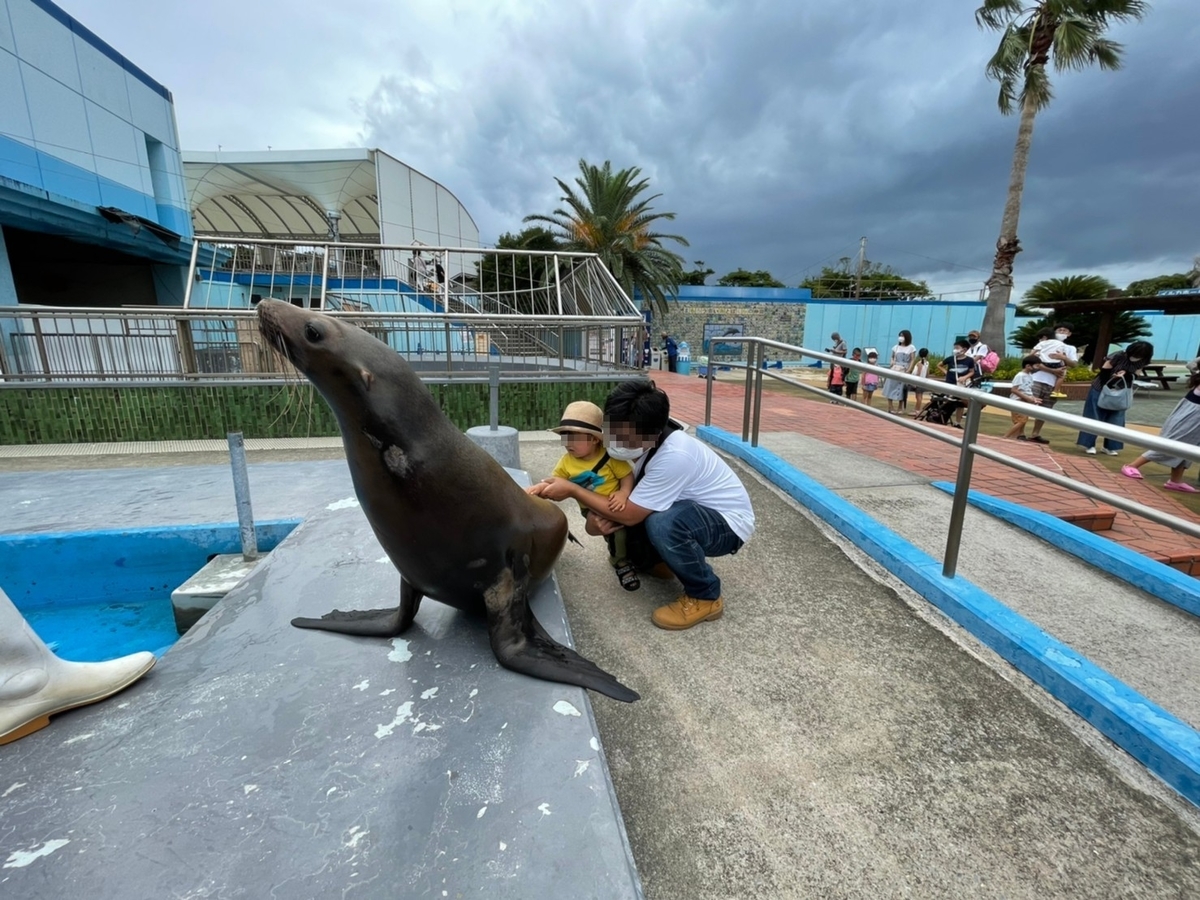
(370, 622)
(521, 644)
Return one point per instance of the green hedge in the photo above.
(64, 415)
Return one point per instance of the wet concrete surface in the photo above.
(831, 737)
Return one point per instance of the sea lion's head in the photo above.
(341, 360)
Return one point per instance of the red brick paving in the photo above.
(937, 461)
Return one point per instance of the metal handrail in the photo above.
(131, 344)
(968, 447)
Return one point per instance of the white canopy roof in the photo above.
(283, 194)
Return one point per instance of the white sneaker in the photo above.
(1091, 451)
(1110, 452)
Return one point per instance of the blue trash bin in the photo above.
(683, 361)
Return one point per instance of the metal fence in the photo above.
(153, 345)
(236, 274)
(449, 311)
(975, 401)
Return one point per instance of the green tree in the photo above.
(1085, 327)
(876, 282)
(743, 278)
(696, 276)
(1070, 34)
(1148, 287)
(607, 217)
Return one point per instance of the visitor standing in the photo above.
(672, 352)
(1044, 382)
(1183, 425)
(1116, 372)
(903, 357)
(851, 375)
(870, 381)
(921, 370)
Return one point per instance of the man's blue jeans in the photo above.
(684, 536)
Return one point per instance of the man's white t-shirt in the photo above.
(687, 469)
(1049, 346)
(978, 350)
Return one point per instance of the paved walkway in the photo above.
(846, 427)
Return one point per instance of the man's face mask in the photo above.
(1062, 335)
(973, 341)
(626, 454)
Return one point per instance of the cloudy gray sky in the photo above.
(779, 134)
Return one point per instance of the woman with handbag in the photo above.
(1112, 393)
(1183, 425)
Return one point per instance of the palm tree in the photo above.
(1071, 34)
(607, 218)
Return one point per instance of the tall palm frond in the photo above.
(604, 215)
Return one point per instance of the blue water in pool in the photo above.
(93, 632)
(96, 595)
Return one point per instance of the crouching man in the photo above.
(687, 505)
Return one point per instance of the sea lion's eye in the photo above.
(312, 333)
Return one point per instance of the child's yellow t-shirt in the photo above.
(604, 481)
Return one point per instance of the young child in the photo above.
(870, 381)
(1022, 389)
(837, 380)
(851, 375)
(586, 463)
(921, 370)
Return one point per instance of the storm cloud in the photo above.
(777, 135)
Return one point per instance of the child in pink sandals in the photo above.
(1183, 425)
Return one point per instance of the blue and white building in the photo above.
(93, 210)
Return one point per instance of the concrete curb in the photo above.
(1160, 580)
(1162, 743)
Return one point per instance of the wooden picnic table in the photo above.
(1156, 373)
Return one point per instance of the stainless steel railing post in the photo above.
(758, 383)
(709, 376)
(751, 368)
(962, 486)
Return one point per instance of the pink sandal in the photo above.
(1130, 472)
(1180, 486)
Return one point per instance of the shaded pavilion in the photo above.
(1108, 307)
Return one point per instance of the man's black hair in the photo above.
(1066, 325)
(640, 404)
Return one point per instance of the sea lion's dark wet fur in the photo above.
(449, 517)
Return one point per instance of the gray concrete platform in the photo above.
(260, 760)
(829, 737)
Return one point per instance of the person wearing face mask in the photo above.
(1051, 352)
(976, 349)
(903, 357)
(1056, 356)
(962, 370)
(1117, 370)
(687, 505)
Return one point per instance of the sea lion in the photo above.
(450, 518)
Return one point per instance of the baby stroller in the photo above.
(941, 407)
(939, 410)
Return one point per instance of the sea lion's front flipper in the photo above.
(370, 622)
(521, 644)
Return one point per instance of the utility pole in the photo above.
(862, 259)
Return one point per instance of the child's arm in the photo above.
(619, 497)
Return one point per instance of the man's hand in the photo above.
(602, 525)
(555, 488)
